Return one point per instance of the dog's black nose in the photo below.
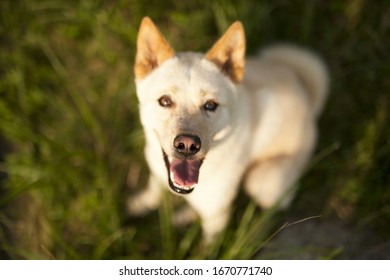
(187, 145)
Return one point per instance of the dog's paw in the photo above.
(184, 217)
(137, 207)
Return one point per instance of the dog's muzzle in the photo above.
(183, 168)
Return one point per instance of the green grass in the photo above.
(69, 116)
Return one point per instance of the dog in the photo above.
(212, 119)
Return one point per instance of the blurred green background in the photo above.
(71, 146)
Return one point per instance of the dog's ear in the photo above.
(228, 53)
(152, 49)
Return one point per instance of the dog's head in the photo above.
(187, 99)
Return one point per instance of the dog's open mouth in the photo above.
(183, 174)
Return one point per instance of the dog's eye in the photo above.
(165, 101)
(210, 106)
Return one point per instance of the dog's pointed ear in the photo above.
(228, 53)
(152, 49)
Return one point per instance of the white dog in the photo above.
(212, 119)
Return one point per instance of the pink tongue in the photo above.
(185, 172)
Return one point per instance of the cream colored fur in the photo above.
(263, 130)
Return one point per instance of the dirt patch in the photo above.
(327, 238)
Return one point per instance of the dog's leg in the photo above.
(213, 213)
(213, 224)
(270, 181)
(147, 200)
